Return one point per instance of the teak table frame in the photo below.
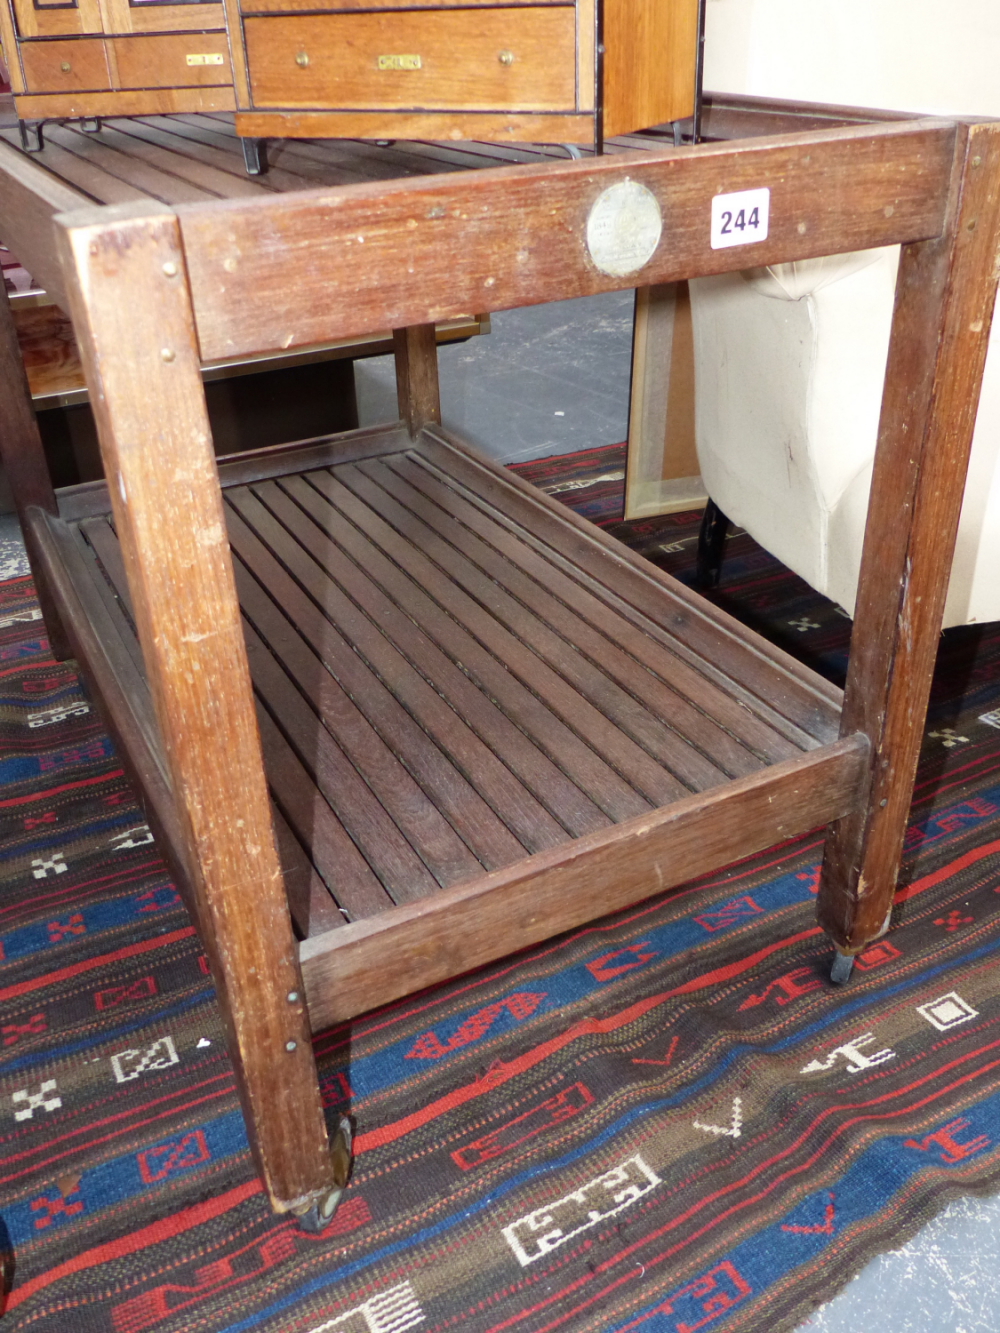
(482, 721)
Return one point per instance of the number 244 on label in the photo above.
(740, 218)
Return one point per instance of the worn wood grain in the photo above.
(417, 389)
(475, 923)
(9, 48)
(649, 63)
(128, 102)
(28, 201)
(790, 697)
(459, 50)
(161, 61)
(23, 459)
(535, 798)
(500, 127)
(66, 67)
(401, 254)
(156, 445)
(944, 306)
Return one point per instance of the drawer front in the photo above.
(65, 66)
(459, 59)
(182, 60)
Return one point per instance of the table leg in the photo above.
(24, 462)
(417, 376)
(941, 324)
(142, 365)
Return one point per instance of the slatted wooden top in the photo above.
(189, 159)
(176, 160)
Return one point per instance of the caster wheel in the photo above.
(321, 1214)
(843, 966)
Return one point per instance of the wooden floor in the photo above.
(447, 681)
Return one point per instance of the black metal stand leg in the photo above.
(31, 135)
(711, 545)
(255, 156)
(91, 126)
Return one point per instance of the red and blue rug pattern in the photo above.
(667, 1121)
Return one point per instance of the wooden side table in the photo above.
(395, 714)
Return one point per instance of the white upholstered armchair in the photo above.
(789, 361)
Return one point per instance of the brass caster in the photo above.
(843, 966)
(321, 1214)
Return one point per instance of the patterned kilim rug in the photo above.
(668, 1121)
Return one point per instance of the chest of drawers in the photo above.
(91, 58)
(553, 73)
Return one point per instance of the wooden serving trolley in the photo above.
(395, 714)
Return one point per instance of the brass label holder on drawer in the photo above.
(209, 58)
(400, 62)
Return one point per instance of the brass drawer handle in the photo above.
(400, 62)
(208, 58)
(65, 67)
(506, 57)
(302, 59)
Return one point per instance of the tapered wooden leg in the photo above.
(24, 463)
(140, 357)
(944, 305)
(417, 376)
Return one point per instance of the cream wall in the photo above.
(938, 56)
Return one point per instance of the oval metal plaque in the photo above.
(624, 228)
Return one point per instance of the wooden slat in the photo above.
(663, 722)
(107, 152)
(352, 883)
(773, 684)
(92, 182)
(426, 758)
(191, 162)
(348, 875)
(525, 709)
(331, 161)
(309, 899)
(534, 798)
(395, 861)
(417, 787)
(404, 253)
(346, 973)
(726, 730)
(550, 672)
(945, 295)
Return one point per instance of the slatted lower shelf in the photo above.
(456, 678)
